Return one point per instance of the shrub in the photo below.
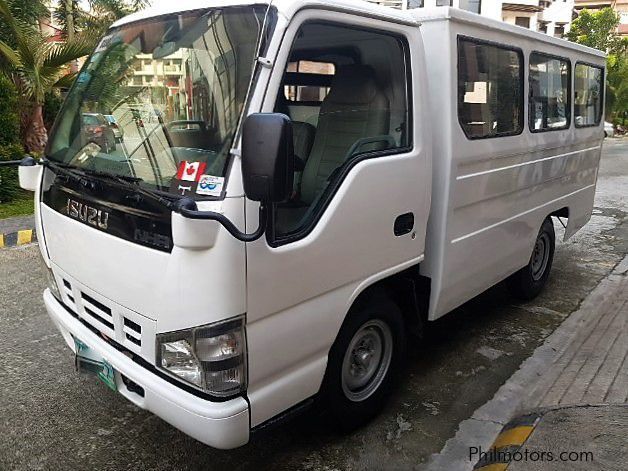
(9, 186)
(9, 117)
(52, 106)
(10, 148)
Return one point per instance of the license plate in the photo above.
(88, 362)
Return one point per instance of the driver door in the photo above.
(364, 173)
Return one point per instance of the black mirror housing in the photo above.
(267, 157)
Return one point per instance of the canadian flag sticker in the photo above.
(191, 171)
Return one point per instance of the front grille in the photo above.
(115, 322)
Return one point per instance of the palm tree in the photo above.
(36, 65)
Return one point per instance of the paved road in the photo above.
(50, 418)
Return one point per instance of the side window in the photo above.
(490, 89)
(588, 95)
(355, 81)
(550, 97)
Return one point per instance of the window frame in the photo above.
(330, 191)
(483, 42)
(570, 87)
(602, 93)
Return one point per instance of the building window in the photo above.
(549, 101)
(523, 21)
(490, 89)
(474, 6)
(559, 30)
(444, 3)
(588, 95)
(543, 27)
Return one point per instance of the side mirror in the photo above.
(267, 157)
(29, 173)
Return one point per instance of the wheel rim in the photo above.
(540, 256)
(367, 360)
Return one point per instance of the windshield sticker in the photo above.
(183, 188)
(190, 171)
(210, 185)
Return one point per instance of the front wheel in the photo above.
(528, 282)
(363, 362)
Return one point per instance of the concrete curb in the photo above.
(509, 441)
(488, 420)
(23, 237)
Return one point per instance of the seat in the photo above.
(355, 108)
(302, 133)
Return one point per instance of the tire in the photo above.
(528, 282)
(363, 363)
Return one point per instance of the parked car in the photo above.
(118, 132)
(609, 129)
(96, 129)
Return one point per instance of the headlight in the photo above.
(52, 284)
(211, 358)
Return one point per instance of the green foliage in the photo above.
(9, 118)
(598, 30)
(52, 106)
(9, 186)
(10, 149)
(101, 13)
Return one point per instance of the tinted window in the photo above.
(364, 113)
(549, 104)
(490, 89)
(588, 95)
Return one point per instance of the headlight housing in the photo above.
(211, 358)
(52, 284)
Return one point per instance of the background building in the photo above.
(547, 16)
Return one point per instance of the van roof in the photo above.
(288, 8)
(423, 15)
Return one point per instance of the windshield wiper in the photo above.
(68, 171)
(81, 176)
(132, 183)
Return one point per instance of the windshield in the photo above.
(173, 91)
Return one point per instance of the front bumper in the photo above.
(222, 425)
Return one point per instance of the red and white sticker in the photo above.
(190, 171)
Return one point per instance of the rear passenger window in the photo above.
(550, 80)
(308, 81)
(490, 89)
(588, 95)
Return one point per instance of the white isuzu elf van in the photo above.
(301, 185)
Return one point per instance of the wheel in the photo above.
(363, 362)
(528, 282)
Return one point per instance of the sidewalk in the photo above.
(580, 404)
(17, 231)
(570, 395)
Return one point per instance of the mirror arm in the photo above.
(187, 208)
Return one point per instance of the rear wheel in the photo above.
(363, 362)
(528, 282)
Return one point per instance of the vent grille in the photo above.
(133, 332)
(114, 322)
(98, 311)
(67, 290)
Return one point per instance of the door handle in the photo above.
(404, 224)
